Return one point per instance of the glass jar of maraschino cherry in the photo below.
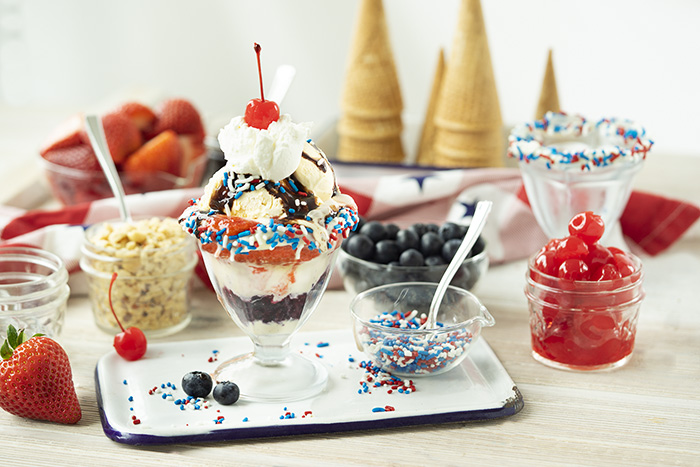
(584, 299)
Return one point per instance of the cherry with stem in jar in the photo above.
(131, 342)
(259, 113)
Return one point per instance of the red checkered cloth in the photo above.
(652, 222)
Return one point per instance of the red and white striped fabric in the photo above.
(652, 222)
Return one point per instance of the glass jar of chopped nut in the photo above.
(154, 261)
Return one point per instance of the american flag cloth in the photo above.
(650, 223)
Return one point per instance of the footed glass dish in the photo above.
(270, 302)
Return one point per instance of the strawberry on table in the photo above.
(180, 116)
(160, 154)
(36, 379)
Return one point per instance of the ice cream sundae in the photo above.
(269, 224)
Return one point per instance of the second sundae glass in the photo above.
(270, 302)
(570, 165)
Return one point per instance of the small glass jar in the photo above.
(154, 260)
(33, 291)
(583, 325)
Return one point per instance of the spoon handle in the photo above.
(481, 213)
(281, 82)
(96, 133)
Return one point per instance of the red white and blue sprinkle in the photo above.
(412, 353)
(608, 141)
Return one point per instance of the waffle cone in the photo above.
(469, 149)
(425, 151)
(468, 97)
(371, 87)
(369, 128)
(549, 98)
(352, 149)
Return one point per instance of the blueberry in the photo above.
(386, 251)
(431, 244)
(197, 384)
(434, 261)
(374, 230)
(432, 228)
(407, 239)
(450, 230)
(360, 246)
(449, 249)
(412, 257)
(226, 393)
(419, 229)
(391, 231)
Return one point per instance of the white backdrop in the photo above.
(633, 59)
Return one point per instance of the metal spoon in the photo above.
(483, 208)
(96, 133)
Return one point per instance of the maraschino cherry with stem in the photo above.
(131, 342)
(259, 113)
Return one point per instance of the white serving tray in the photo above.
(479, 389)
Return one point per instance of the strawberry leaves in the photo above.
(14, 339)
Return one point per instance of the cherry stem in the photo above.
(257, 49)
(109, 296)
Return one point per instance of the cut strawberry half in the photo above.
(160, 154)
(65, 135)
(123, 136)
(80, 157)
(141, 115)
(180, 116)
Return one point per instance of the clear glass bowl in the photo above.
(360, 275)
(270, 301)
(583, 325)
(73, 186)
(33, 291)
(416, 352)
(558, 194)
(153, 286)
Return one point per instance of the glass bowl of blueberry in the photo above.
(378, 254)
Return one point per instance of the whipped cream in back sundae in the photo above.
(269, 222)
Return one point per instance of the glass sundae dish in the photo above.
(571, 165)
(269, 225)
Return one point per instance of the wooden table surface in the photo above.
(646, 413)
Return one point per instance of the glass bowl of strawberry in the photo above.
(584, 300)
(153, 150)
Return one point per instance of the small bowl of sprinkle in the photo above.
(388, 320)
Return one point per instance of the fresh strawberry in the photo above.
(191, 151)
(160, 154)
(142, 115)
(180, 116)
(80, 157)
(65, 135)
(123, 136)
(36, 380)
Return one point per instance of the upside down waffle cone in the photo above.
(549, 98)
(388, 150)
(468, 98)
(426, 155)
(369, 128)
(469, 149)
(371, 86)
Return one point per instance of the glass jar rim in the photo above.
(57, 278)
(184, 242)
(484, 318)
